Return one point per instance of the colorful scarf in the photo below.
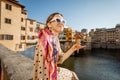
(49, 46)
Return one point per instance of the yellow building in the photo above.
(69, 36)
(12, 24)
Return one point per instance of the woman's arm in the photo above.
(67, 54)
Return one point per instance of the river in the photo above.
(92, 65)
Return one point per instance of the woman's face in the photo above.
(57, 24)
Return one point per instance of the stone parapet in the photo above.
(14, 66)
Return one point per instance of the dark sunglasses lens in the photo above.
(58, 20)
(63, 22)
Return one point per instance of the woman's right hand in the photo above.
(77, 46)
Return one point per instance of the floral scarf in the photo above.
(49, 46)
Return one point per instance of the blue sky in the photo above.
(79, 14)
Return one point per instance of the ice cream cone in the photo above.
(78, 42)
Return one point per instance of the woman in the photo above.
(48, 52)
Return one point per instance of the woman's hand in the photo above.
(77, 46)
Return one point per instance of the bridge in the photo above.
(14, 66)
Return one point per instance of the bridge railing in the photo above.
(14, 66)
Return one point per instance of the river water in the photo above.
(92, 65)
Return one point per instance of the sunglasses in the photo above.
(58, 20)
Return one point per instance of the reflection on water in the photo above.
(98, 65)
(95, 65)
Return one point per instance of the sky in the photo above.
(79, 14)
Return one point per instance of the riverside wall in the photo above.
(14, 66)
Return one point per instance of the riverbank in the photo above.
(115, 53)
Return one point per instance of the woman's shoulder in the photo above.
(43, 32)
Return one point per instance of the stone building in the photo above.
(12, 24)
(17, 31)
(106, 38)
(31, 34)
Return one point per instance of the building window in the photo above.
(31, 29)
(20, 46)
(21, 19)
(70, 34)
(8, 37)
(27, 37)
(8, 6)
(31, 22)
(33, 37)
(2, 37)
(7, 20)
(25, 13)
(22, 37)
(23, 28)
(30, 37)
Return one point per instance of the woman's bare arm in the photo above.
(69, 52)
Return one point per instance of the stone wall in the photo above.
(14, 66)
